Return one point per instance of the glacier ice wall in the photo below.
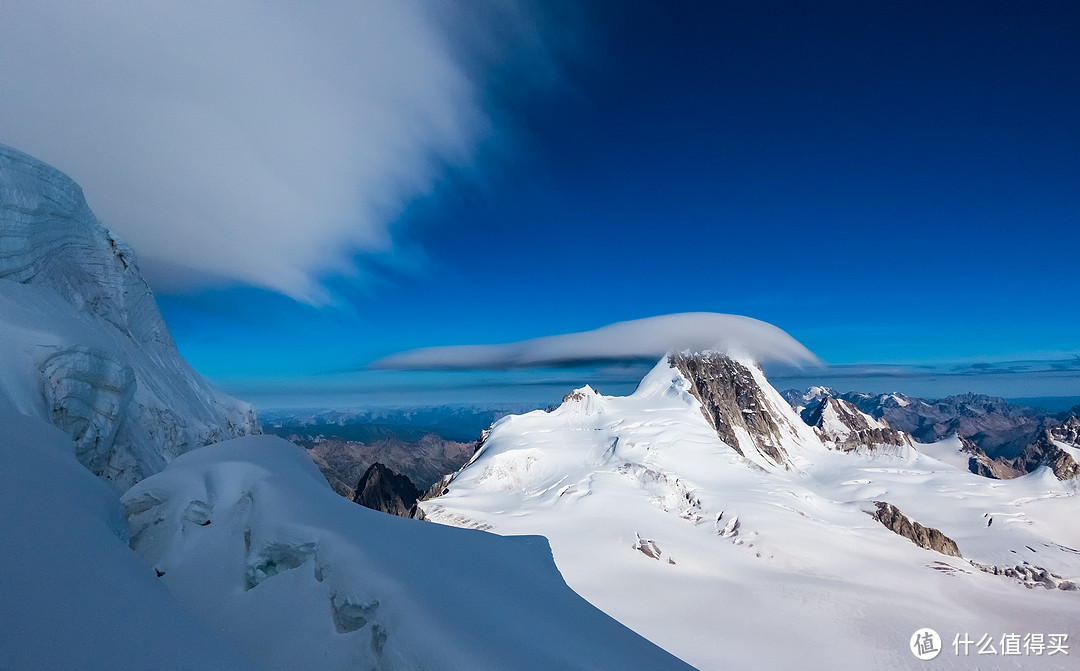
(82, 342)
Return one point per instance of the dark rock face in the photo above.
(386, 491)
(860, 432)
(924, 537)
(730, 398)
(980, 464)
(1042, 452)
(1069, 430)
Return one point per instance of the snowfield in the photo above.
(734, 561)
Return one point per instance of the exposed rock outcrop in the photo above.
(1030, 576)
(386, 491)
(925, 537)
(842, 426)
(1043, 451)
(1069, 430)
(732, 400)
(980, 464)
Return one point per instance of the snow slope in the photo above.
(72, 594)
(248, 535)
(82, 344)
(734, 560)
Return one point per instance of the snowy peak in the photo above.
(842, 426)
(583, 401)
(747, 413)
(800, 400)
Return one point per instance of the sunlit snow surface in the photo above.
(639, 497)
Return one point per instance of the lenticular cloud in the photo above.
(640, 339)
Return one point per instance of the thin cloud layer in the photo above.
(637, 340)
(256, 143)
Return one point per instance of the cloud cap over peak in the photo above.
(637, 340)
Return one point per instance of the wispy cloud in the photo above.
(1025, 367)
(630, 341)
(257, 143)
(1019, 378)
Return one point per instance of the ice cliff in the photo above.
(82, 344)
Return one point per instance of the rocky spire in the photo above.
(386, 491)
(734, 402)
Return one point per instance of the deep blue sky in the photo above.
(891, 183)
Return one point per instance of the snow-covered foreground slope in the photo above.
(82, 344)
(771, 558)
(72, 594)
(248, 535)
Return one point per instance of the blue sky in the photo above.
(891, 183)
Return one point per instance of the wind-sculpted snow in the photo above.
(72, 594)
(82, 344)
(739, 561)
(640, 339)
(248, 535)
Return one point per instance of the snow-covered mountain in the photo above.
(82, 344)
(703, 512)
(244, 557)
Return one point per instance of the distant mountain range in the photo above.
(997, 427)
